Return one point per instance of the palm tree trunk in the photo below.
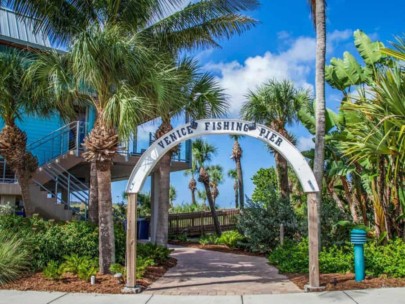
(13, 147)
(349, 198)
(93, 197)
(320, 21)
(282, 172)
(205, 180)
(24, 181)
(236, 187)
(240, 183)
(193, 201)
(106, 223)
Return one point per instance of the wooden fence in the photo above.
(199, 223)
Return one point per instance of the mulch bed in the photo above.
(338, 281)
(70, 283)
(220, 248)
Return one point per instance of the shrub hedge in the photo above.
(388, 259)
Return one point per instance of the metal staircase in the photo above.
(54, 188)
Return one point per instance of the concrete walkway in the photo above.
(204, 272)
(367, 296)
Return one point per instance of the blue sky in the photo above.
(281, 46)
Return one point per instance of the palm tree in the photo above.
(118, 76)
(236, 156)
(318, 10)
(167, 24)
(216, 177)
(172, 195)
(232, 173)
(202, 195)
(202, 153)
(163, 25)
(18, 96)
(276, 104)
(199, 95)
(192, 185)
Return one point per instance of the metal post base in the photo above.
(128, 289)
(308, 288)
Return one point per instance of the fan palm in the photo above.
(276, 104)
(216, 177)
(15, 91)
(236, 156)
(202, 154)
(232, 173)
(165, 23)
(199, 95)
(119, 78)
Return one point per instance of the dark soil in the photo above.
(220, 248)
(338, 281)
(70, 283)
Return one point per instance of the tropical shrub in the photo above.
(86, 269)
(14, 258)
(260, 224)
(158, 254)
(388, 259)
(141, 264)
(230, 238)
(52, 271)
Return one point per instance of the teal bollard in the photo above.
(358, 238)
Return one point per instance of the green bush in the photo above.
(86, 269)
(158, 254)
(208, 239)
(117, 268)
(49, 241)
(291, 257)
(141, 264)
(386, 259)
(260, 224)
(14, 258)
(230, 238)
(52, 271)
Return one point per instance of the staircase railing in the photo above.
(59, 142)
(63, 180)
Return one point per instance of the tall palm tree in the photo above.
(236, 156)
(202, 153)
(118, 76)
(318, 10)
(232, 173)
(276, 104)
(200, 96)
(192, 185)
(18, 96)
(165, 25)
(216, 177)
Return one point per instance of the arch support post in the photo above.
(131, 286)
(313, 239)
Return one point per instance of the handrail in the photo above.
(49, 135)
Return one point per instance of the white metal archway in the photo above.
(199, 128)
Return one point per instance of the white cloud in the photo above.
(294, 63)
(305, 143)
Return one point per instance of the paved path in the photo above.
(204, 272)
(367, 296)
